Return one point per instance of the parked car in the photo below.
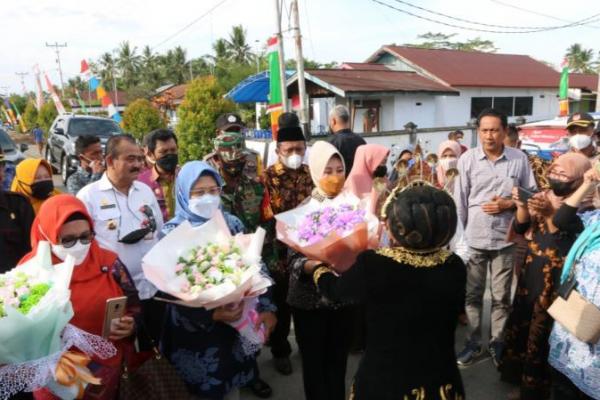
(547, 139)
(60, 151)
(13, 155)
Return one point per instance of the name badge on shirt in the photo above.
(107, 206)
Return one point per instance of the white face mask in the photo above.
(293, 162)
(205, 206)
(448, 163)
(580, 141)
(79, 251)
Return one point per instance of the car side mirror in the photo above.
(23, 147)
(59, 131)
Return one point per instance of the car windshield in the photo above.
(6, 142)
(96, 127)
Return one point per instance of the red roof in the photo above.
(470, 68)
(584, 81)
(356, 80)
(364, 66)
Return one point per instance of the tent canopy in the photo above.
(254, 89)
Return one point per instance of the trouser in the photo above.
(323, 338)
(501, 264)
(278, 341)
(359, 329)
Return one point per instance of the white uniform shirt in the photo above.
(115, 215)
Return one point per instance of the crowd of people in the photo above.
(445, 219)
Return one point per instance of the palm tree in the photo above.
(239, 49)
(150, 68)
(580, 59)
(107, 65)
(128, 63)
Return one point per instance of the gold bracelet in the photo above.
(320, 270)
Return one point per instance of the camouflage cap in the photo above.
(230, 146)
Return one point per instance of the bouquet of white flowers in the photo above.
(207, 267)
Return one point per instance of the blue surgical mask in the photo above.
(205, 206)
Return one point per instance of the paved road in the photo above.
(480, 379)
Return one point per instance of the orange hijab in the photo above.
(92, 282)
(367, 158)
(25, 177)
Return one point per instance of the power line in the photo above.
(538, 13)
(593, 18)
(484, 24)
(190, 24)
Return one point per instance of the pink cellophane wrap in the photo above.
(338, 251)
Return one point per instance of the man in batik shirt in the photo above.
(288, 183)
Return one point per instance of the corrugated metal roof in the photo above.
(470, 68)
(356, 80)
(364, 66)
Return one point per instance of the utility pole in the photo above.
(56, 48)
(22, 75)
(282, 75)
(300, 71)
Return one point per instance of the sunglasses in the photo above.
(135, 236)
(70, 241)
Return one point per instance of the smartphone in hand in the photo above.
(115, 308)
(525, 194)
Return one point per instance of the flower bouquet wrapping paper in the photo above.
(207, 267)
(333, 231)
(37, 345)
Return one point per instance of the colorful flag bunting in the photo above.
(101, 94)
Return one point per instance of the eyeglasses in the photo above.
(71, 240)
(215, 191)
(149, 225)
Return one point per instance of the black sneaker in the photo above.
(468, 354)
(260, 388)
(283, 365)
(496, 349)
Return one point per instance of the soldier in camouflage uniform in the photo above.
(230, 122)
(247, 199)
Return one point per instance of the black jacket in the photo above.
(16, 217)
(346, 142)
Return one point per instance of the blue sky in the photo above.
(333, 30)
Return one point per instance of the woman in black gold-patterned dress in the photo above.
(412, 294)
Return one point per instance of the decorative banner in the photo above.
(563, 91)
(39, 94)
(275, 107)
(57, 103)
(19, 118)
(10, 113)
(6, 115)
(81, 102)
(101, 94)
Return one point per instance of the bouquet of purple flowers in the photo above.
(339, 219)
(334, 231)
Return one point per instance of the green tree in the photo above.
(198, 112)
(151, 73)
(580, 59)
(18, 101)
(431, 40)
(107, 66)
(47, 115)
(30, 115)
(129, 64)
(140, 117)
(239, 49)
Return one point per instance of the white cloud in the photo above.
(340, 30)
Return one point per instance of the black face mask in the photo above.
(380, 171)
(42, 189)
(168, 163)
(561, 188)
(234, 168)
